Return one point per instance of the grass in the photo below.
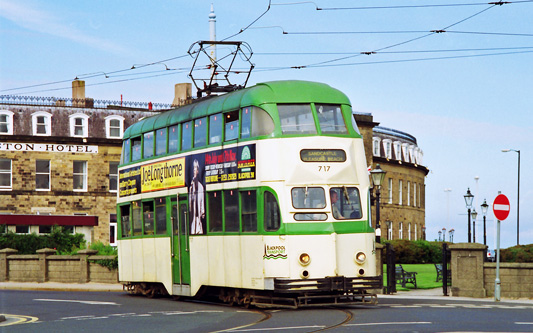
(425, 277)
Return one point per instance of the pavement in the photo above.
(117, 287)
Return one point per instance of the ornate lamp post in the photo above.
(474, 215)
(468, 200)
(518, 196)
(378, 175)
(484, 209)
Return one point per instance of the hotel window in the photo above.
(400, 192)
(113, 176)
(5, 174)
(409, 231)
(80, 176)
(400, 230)
(41, 123)
(22, 229)
(42, 175)
(416, 231)
(79, 125)
(390, 190)
(389, 230)
(114, 127)
(375, 146)
(408, 193)
(414, 194)
(6, 122)
(387, 145)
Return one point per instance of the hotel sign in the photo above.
(48, 147)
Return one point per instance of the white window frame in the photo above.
(390, 190)
(113, 177)
(409, 231)
(48, 123)
(397, 150)
(85, 125)
(416, 231)
(9, 121)
(108, 120)
(376, 149)
(387, 146)
(113, 227)
(400, 230)
(405, 152)
(49, 173)
(412, 154)
(10, 172)
(414, 194)
(389, 231)
(400, 192)
(83, 174)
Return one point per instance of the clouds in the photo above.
(45, 22)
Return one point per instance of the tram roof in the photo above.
(289, 91)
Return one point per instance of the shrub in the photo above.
(416, 252)
(518, 253)
(59, 239)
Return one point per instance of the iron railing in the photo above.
(81, 102)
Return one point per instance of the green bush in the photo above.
(106, 250)
(416, 252)
(518, 253)
(59, 239)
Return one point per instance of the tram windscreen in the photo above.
(345, 203)
(308, 197)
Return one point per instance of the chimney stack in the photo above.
(78, 90)
(182, 94)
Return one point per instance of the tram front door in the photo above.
(181, 263)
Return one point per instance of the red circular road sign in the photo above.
(501, 207)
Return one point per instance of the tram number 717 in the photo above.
(324, 168)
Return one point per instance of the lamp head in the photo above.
(469, 197)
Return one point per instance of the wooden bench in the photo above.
(403, 277)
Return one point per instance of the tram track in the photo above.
(349, 317)
(266, 316)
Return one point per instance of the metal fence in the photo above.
(81, 103)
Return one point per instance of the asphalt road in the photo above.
(61, 311)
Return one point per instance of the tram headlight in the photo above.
(360, 257)
(304, 259)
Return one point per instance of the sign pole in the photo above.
(497, 282)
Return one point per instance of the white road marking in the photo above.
(74, 301)
(394, 323)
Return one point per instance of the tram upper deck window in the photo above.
(148, 147)
(215, 128)
(161, 141)
(345, 203)
(136, 149)
(308, 197)
(173, 139)
(231, 124)
(200, 132)
(126, 151)
(296, 119)
(330, 119)
(246, 122)
(186, 135)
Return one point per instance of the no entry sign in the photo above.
(501, 207)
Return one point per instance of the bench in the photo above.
(438, 267)
(403, 277)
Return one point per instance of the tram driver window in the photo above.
(345, 203)
(231, 125)
(271, 218)
(308, 197)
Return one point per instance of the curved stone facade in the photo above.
(402, 199)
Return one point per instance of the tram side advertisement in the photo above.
(220, 166)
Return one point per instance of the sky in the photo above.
(465, 93)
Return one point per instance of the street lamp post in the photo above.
(518, 197)
(474, 215)
(468, 200)
(378, 175)
(484, 209)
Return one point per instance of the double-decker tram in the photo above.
(259, 197)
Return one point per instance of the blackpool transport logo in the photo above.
(275, 252)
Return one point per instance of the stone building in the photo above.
(402, 199)
(59, 163)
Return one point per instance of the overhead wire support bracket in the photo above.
(220, 69)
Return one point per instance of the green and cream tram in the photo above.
(260, 196)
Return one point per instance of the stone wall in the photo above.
(45, 266)
(473, 277)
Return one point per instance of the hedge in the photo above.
(59, 239)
